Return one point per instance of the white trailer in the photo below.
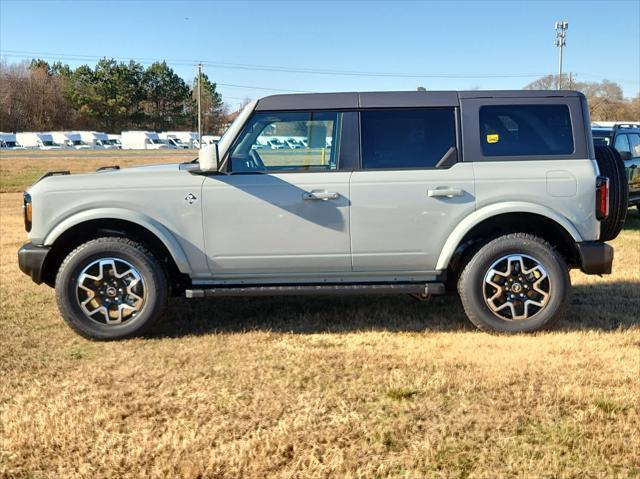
(8, 142)
(142, 140)
(188, 138)
(172, 140)
(37, 141)
(95, 139)
(69, 140)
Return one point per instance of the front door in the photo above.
(283, 211)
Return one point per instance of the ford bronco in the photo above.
(494, 193)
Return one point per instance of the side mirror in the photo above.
(625, 155)
(208, 158)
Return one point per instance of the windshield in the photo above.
(155, 141)
(275, 141)
(48, 143)
(79, 142)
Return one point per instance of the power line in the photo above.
(273, 68)
(262, 88)
(241, 66)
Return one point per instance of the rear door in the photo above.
(411, 190)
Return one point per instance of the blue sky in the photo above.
(488, 45)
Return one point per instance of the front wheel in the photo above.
(111, 288)
(516, 283)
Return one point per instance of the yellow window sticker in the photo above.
(493, 138)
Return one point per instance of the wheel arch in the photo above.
(491, 221)
(85, 226)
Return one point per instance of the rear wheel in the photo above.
(611, 165)
(111, 288)
(516, 283)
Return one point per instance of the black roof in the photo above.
(393, 99)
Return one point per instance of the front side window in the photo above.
(525, 130)
(417, 138)
(634, 143)
(265, 143)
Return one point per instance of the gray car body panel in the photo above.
(384, 225)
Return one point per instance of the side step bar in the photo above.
(422, 289)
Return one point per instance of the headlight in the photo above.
(27, 209)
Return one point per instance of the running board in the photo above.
(422, 289)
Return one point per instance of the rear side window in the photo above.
(525, 130)
(407, 138)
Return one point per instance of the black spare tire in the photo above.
(611, 165)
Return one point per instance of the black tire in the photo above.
(471, 284)
(153, 282)
(612, 166)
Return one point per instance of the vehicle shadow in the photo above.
(598, 306)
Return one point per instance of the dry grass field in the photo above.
(318, 386)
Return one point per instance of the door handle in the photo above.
(444, 192)
(320, 195)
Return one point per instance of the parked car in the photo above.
(495, 194)
(293, 143)
(625, 138)
(114, 140)
(273, 143)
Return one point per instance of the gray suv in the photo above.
(494, 193)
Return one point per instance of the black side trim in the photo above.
(425, 289)
(595, 257)
(31, 259)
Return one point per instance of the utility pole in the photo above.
(200, 104)
(561, 37)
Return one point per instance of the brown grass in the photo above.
(20, 168)
(322, 387)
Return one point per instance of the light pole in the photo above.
(199, 104)
(561, 41)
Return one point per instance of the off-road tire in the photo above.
(471, 284)
(611, 165)
(149, 268)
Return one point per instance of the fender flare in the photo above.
(489, 211)
(155, 227)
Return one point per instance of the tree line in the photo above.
(112, 96)
(605, 98)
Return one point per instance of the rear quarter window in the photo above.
(526, 130)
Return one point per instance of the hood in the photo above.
(109, 177)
